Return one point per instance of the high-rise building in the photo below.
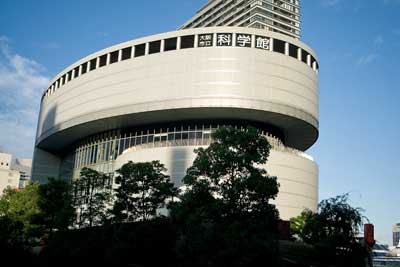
(13, 173)
(396, 234)
(282, 16)
(161, 96)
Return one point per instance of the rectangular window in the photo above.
(187, 41)
(114, 57)
(170, 44)
(293, 50)
(140, 50)
(304, 56)
(154, 47)
(84, 68)
(63, 80)
(279, 46)
(103, 60)
(126, 53)
(69, 75)
(93, 63)
(58, 83)
(76, 74)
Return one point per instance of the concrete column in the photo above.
(162, 46)
(178, 43)
(119, 55)
(271, 44)
(147, 49)
(287, 49)
(196, 40)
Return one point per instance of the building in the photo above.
(281, 16)
(396, 235)
(13, 173)
(161, 96)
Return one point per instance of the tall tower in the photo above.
(282, 16)
(161, 96)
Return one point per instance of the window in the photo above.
(126, 53)
(76, 74)
(93, 63)
(293, 50)
(103, 60)
(58, 83)
(154, 47)
(69, 75)
(84, 68)
(140, 50)
(279, 46)
(114, 57)
(304, 56)
(63, 80)
(170, 44)
(187, 41)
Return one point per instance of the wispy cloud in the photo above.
(367, 59)
(21, 83)
(372, 54)
(388, 2)
(378, 41)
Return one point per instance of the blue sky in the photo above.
(357, 41)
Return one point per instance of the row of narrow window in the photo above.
(170, 45)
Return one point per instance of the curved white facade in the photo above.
(273, 89)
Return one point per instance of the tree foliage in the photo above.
(92, 196)
(143, 188)
(225, 214)
(55, 203)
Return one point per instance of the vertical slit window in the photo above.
(93, 63)
(126, 53)
(114, 57)
(69, 75)
(103, 60)
(187, 41)
(84, 68)
(304, 55)
(170, 44)
(140, 50)
(154, 47)
(279, 46)
(76, 74)
(63, 80)
(293, 50)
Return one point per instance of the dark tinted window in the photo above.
(84, 68)
(170, 44)
(293, 50)
(155, 47)
(304, 55)
(126, 53)
(279, 46)
(58, 83)
(312, 61)
(63, 80)
(114, 57)
(76, 74)
(69, 75)
(93, 63)
(187, 41)
(103, 60)
(140, 50)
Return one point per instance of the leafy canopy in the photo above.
(142, 189)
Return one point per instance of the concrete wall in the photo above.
(297, 176)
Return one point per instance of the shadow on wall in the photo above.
(181, 158)
(46, 163)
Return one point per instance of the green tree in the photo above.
(298, 223)
(55, 203)
(92, 196)
(21, 207)
(142, 189)
(225, 215)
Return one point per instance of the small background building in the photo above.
(14, 173)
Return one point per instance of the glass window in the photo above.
(63, 80)
(279, 46)
(84, 68)
(76, 72)
(187, 41)
(170, 44)
(154, 47)
(304, 55)
(293, 50)
(140, 50)
(58, 83)
(126, 53)
(114, 57)
(93, 63)
(69, 75)
(103, 60)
